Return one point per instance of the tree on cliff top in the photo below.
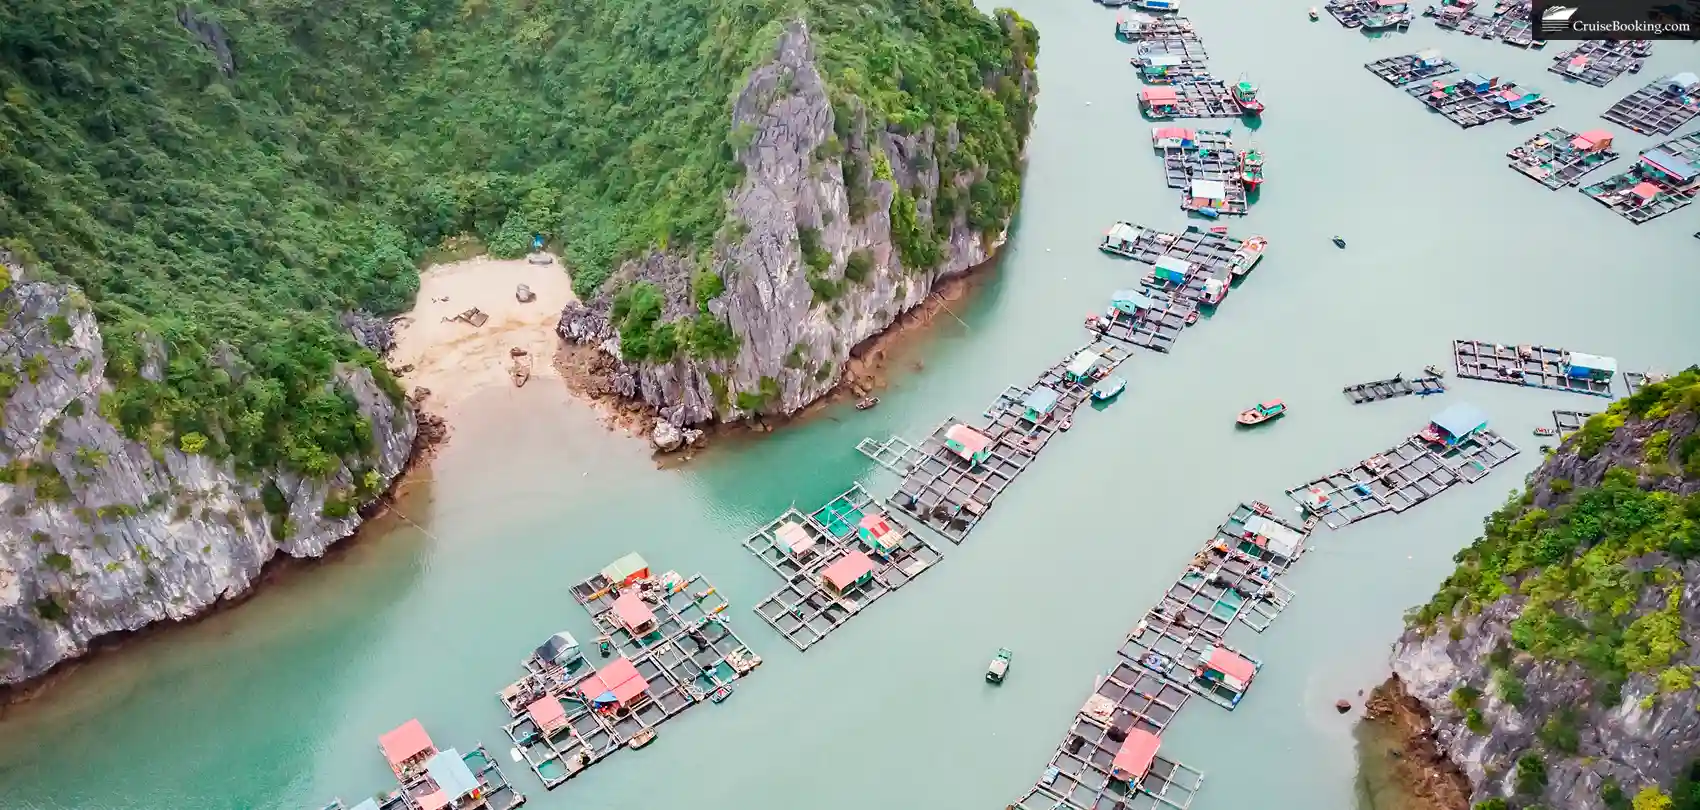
(232, 211)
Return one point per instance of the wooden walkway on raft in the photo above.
(1400, 477)
(1567, 421)
(1233, 579)
(1208, 254)
(1394, 388)
(413, 793)
(1407, 68)
(1533, 366)
(691, 657)
(1622, 192)
(806, 609)
(950, 494)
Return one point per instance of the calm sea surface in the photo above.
(278, 704)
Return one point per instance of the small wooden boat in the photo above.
(1434, 370)
(1339, 243)
(1313, 15)
(605, 646)
(1207, 213)
(1546, 431)
(1192, 317)
(999, 667)
(1263, 412)
(1218, 229)
(1065, 424)
(720, 694)
(866, 403)
(641, 739)
(1108, 389)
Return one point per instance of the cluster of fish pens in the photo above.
(1537, 367)
(1663, 179)
(1660, 107)
(1475, 99)
(1411, 67)
(1558, 157)
(1508, 22)
(1599, 61)
(432, 779)
(1171, 56)
(1202, 164)
(1371, 15)
(666, 648)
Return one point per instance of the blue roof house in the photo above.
(1455, 424)
(1170, 268)
(1479, 83)
(1039, 403)
(1682, 83)
(1591, 367)
(1130, 301)
(1669, 168)
(454, 780)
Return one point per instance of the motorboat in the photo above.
(1313, 15)
(1339, 243)
(1248, 255)
(1245, 94)
(1434, 370)
(1251, 169)
(1262, 412)
(641, 739)
(999, 667)
(1546, 431)
(1108, 389)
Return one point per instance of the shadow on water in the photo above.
(241, 666)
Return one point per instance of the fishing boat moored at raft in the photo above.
(1251, 169)
(1248, 255)
(1245, 93)
(1263, 412)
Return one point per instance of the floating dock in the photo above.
(1155, 326)
(431, 779)
(1659, 108)
(1600, 61)
(1411, 67)
(1364, 14)
(1207, 98)
(1079, 776)
(1400, 477)
(1170, 59)
(836, 561)
(666, 647)
(1393, 388)
(1509, 23)
(1558, 157)
(1567, 421)
(1663, 179)
(1473, 100)
(1534, 366)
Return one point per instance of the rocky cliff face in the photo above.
(1557, 664)
(795, 207)
(100, 534)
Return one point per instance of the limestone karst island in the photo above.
(754, 404)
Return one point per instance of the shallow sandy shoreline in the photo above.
(454, 359)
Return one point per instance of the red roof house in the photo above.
(407, 747)
(634, 614)
(1159, 95)
(548, 714)
(617, 684)
(877, 532)
(1234, 669)
(1646, 191)
(847, 572)
(1593, 140)
(1133, 759)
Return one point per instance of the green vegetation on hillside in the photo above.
(1571, 562)
(232, 218)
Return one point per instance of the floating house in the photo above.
(1316, 501)
(560, 650)
(1131, 302)
(1121, 239)
(1663, 165)
(1160, 67)
(795, 539)
(1594, 140)
(547, 714)
(1516, 98)
(1273, 537)
(844, 575)
(1591, 367)
(1080, 368)
(1172, 269)
(1430, 58)
(878, 533)
(1208, 194)
(1455, 424)
(456, 786)
(1039, 404)
(1478, 83)
(615, 686)
(626, 570)
(1683, 84)
(1224, 667)
(1173, 138)
(968, 444)
(407, 747)
(1159, 102)
(1644, 193)
(634, 614)
(1133, 760)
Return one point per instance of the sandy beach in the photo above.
(455, 359)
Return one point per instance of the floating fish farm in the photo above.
(1599, 61)
(1558, 157)
(1660, 107)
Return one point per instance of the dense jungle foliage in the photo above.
(231, 211)
(1580, 563)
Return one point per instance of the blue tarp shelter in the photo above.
(1459, 422)
(1170, 268)
(1591, 367)
(1478, 82)
(1039, 403)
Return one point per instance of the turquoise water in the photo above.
(278, 703)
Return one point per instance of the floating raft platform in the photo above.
(1206, 98)
(416, 790)
(1411, 67)
(1078, 777)
(1182, 166)
(1533, 366)
(1654, 109)
(1186, 50)
(1469, 104)
(1220, 588)
(940, 486)
(1558, 157)
(682, 654)
(1567, 421)
(1600, 61)
(1180, 654)
(1645, 192)
(1635, 380)
(1156, 327)
(836, 561)
(1393, 388)
(1401, 477)
(1511, 26)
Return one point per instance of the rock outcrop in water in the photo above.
(796, 325)
(101, 534)
(1557, 664)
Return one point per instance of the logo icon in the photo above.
(1557, 18)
